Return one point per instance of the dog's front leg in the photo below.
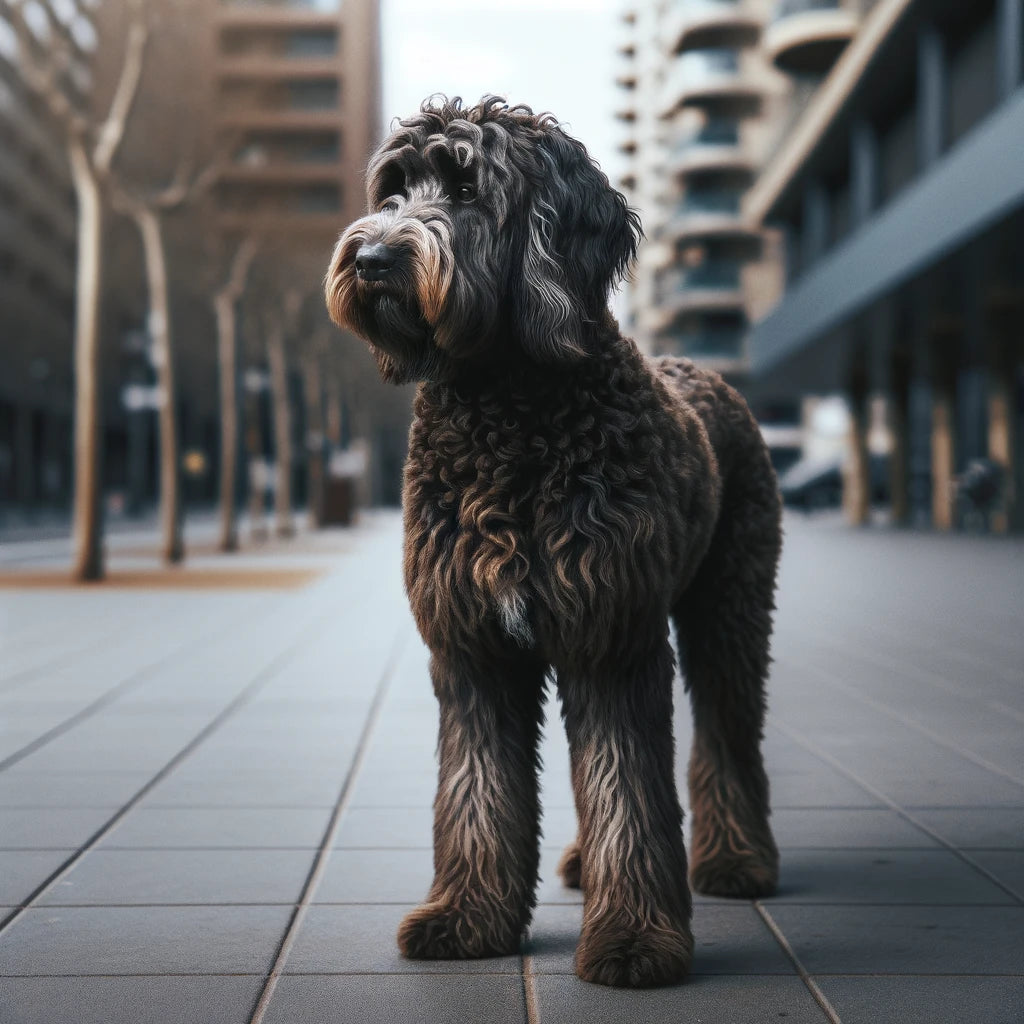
(486, 829)
(636, 916)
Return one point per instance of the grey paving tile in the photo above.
(143, 940)
(882, 876)
(263, 788)
(136, 1000)
(1006, 865)
(844, 828)
(49, 828)
(376, 876)
(23, 871)
(415, 999)
(821, 786)
(384, 785)
(207, 827)
(116, 877)
(728, 940)
(925, 1000)
(77, 789)
(386, 826)
(980, 827)
(904, 940)
(361, 939)
(738, 1000)
(550, 888)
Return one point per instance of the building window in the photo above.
(316, 94)
(972, 79)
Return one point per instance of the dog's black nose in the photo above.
(374, 262)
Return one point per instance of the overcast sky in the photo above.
(556, 55)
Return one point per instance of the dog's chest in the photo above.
(526, 531)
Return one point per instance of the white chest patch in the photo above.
(512, 614)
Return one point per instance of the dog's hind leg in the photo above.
(724, 626)
(636, 916)
(486, 827)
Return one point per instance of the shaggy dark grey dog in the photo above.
(564, 499)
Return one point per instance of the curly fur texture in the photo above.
(565, 498)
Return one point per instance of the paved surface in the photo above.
(214, 804)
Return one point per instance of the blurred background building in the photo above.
(834, 207)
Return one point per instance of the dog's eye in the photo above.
(465, 193)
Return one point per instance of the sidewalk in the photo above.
(215, 801)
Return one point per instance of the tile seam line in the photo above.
(531, 1004)
(134, 679)
(823, 755)
(325, 849)
(812, 986)
(889, 712)
(261, 679)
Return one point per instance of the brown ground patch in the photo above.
(167, 579)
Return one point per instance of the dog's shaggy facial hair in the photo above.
(506, 237)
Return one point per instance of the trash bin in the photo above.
(343, 472)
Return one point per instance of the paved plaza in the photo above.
(215, 789)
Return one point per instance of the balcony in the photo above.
(711, 287)
(715, 147)
(277, 67)
(713, 80)
(722, 350)
(712, 24)
(711, 214)
(274, 13)
(807, 36)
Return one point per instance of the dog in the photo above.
(564, 499)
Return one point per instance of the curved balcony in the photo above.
(713, 80)
(713, 215)
(714, 286)
(722, 350)
(808, 36)
(715, 147)
(709, 24)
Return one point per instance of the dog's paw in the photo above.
(570, 867)
(736, 877)
(640, 960)
(438, 932)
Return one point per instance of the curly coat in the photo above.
(565, 498)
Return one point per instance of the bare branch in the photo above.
(239, 270)
(112, 130)
(180, 189)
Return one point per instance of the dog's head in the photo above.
(492, 235)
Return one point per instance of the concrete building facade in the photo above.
(37, 271)
(899, 194)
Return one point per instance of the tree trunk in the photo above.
(282, 431)
(88, 496)
(257, 466)
(224, 304)
(172, 547)
(333, 427)
(314, 436)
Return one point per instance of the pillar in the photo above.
(25, 491)
(943, 448)
(932, 96)
(1010, 35)
(857, 474)
(898, 409)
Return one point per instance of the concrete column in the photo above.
(24, 457)
(1001, 433)
(932, 96)
(815, 224)
(864, 171)
(898, 409)
(856, 475)
(1010, 36)
(943, 452)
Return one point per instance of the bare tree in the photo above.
(225, 305)
(48, 63)
(313, 393)
(148, 212)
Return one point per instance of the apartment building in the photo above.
(37, 269)
(897, 188)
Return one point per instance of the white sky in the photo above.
(556, 55)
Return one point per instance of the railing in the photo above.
(712, 275)
(701, 202)
(784, 8)
(716, 132)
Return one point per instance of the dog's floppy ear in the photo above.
(581, 238)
